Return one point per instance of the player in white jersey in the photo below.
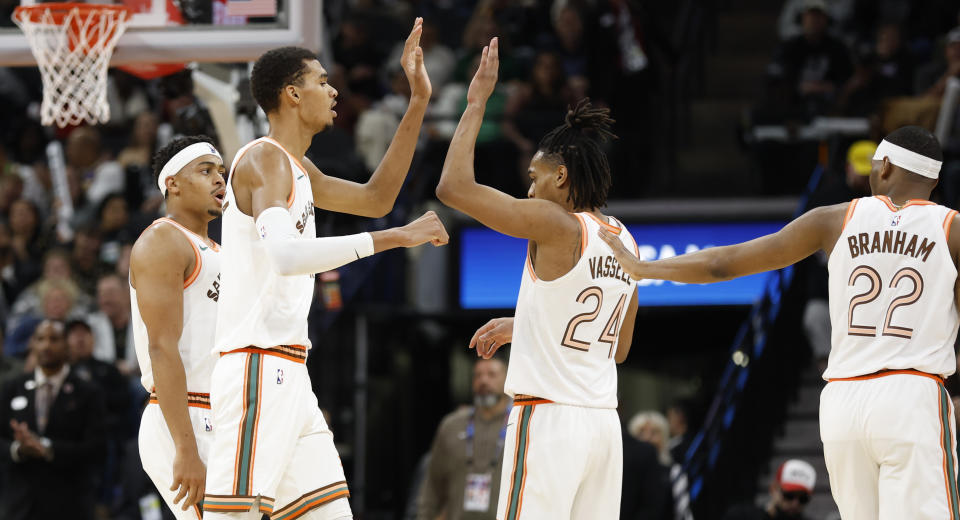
(886, 420)
(174, 287)
(574, 316)
(273, 452)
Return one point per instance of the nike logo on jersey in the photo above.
(300, 177)
(203, 248)
(890, 242)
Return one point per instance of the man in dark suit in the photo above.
(51, 436)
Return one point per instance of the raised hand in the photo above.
(427, 228)
(490, 337)
(485, 80)
(628, 261)
(190, 475)
(412, 63)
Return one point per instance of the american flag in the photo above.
(251, 7)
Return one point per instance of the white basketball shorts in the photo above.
(560, 462)
(272, 449)
(889, 444)
(157, 449)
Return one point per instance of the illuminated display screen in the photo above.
(491, 264)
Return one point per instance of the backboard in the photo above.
(196, 31)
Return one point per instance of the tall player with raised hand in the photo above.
(574, 316)
(886, 420)
(174, 287)
(273, 451)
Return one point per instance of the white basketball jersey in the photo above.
(565, 331)
(200, 294)
(892, 303)
(259, 307)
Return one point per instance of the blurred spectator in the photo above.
(135, 159)
(183, 111)
(28, 239)
(87, 165)
(646, 486)
(10, 366)
(127, 98)
(354, 50)
(931, 79)
(102, 374)
(463, 477)
(116, 228)
(35, 183)
(85, 258)
(111, 324)
(790, 25)
(377, 125)
(115, 390)
(790, 492)
(56, 266)
(536, 106)
(680, 414)
(57, 299)
(569, 30)
(51, 439)
(880, 72)
(815, 64)
(652, 427)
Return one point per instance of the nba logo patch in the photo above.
(895, 221)
(279, 376)
(206, 424)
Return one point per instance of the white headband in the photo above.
(183, 158)
(908, 160)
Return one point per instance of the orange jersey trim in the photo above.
(636, 246)
(293, 175)
(529, 263)
(884, 373)
(850, 209)
(948, 221)
(295, 353)
(194, 400)
(524, 400)
(912, 202)
(609, 227)
(583, 233)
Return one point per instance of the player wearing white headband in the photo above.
(886, 420)
(174, 288)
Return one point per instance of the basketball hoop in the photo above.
(72, 44)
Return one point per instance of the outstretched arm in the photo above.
(533, 219)
(376, 197)
(157, 271)
(264, 173)
(817, 229)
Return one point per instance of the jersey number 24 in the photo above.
(610, 330)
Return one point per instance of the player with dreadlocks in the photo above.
(574, 316)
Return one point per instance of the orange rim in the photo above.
(60, 10)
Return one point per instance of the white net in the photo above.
(72, 45)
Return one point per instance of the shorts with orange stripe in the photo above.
(560, 461)
(273, 450)
(157, 449)
(890, 447)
